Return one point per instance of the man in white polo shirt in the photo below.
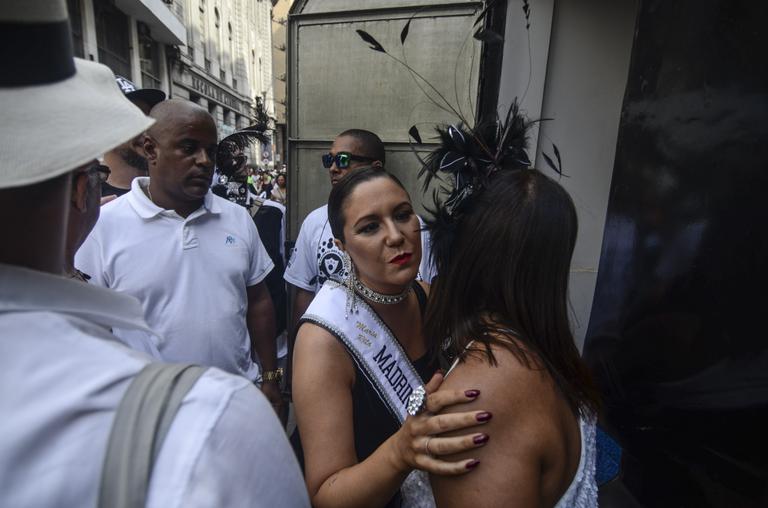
(193, 260)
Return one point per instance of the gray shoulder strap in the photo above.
(141, 422)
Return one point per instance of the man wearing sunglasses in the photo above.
(315, 259)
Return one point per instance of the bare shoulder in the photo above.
(315, 338)
(521, 395)
(318, 352)
(524, 430)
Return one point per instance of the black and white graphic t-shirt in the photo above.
(315, 258)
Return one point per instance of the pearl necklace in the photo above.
(376, 297)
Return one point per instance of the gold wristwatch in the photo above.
(272, 375)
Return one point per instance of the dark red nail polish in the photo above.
(472, 464)
(472, 393)
(481, 438)
(484, 416)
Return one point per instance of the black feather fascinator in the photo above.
(229, 154)
(466, 160)
(467, 156)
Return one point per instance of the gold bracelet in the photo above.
(272, 375)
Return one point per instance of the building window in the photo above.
(149, 58)
(208, 65)
(223, 75)
(229, 27)
(112, 38)
(234, 83)
(76, 23)
(216, 14)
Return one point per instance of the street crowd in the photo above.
(144, 312)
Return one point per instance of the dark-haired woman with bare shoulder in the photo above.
(503, 252)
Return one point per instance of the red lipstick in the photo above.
(401, 259)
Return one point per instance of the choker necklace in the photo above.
(370, 294)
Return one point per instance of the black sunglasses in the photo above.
(343, 159)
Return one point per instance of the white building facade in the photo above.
(216, 53)
(132, 37)
(226, 65)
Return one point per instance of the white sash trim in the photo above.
(371, 344)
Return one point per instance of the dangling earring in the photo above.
(349, 284)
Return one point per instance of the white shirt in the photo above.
(315, 258)
(190, 275)
(62, 376)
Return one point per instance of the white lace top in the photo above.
(582, 492)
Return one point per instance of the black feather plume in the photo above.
(414, 133)
(370, 40)
(404, 32)
(466, 160)
(236, 143)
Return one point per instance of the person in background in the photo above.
(63, 374)
(251, 180)
(193, 259)
(84, 212)
(83, 215)
(128, 160)
(280, 191)
(265, 190)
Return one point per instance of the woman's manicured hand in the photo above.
(418, 445)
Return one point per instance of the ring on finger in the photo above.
(426, 446)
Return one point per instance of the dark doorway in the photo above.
(678, 337)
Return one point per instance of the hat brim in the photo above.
(51, 129)
(151, 96)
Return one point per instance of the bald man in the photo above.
(193, 259)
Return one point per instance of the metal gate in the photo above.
(335, 82)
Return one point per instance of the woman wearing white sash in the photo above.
(360, 356)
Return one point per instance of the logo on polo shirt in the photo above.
(230, 240)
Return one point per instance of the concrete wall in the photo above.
(587, 63)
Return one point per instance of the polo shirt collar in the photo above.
(25, 290)
(146, 209)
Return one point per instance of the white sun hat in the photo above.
(58, 112)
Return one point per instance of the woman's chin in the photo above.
(403, 276)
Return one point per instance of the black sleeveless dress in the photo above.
(373, 423)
